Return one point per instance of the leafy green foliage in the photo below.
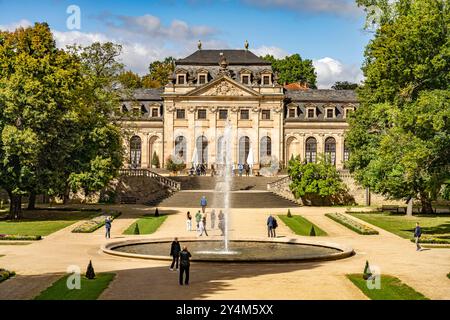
(351, 224)
(136, 228)
(5, 274)
(344, 85)
(130, 80)
(294, 69)
(173, 166)
(159, 73)
(399, 138)
(155, 160)
(314, 180)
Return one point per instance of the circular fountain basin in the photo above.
(240, 250)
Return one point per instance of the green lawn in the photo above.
(391, 289)
(300, 225)
(147, 224)
(437, 226)
(90, 289)
(42, 222)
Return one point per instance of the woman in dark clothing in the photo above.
(184, 265)
(175, 253)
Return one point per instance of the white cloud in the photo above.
(339, 7)
(13, 26)
(274, 51)
(330, 70)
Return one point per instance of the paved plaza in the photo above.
(40, 263)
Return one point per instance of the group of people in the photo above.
(181, 257)
(199, 170)
(201, 219)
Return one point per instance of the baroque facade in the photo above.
(211, 89)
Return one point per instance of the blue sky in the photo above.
(327, 31)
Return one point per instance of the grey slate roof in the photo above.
(212, 57)
(322, 95)
(148, 94)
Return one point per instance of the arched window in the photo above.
(311, 150)
(330, 150)
(180, 148)
(265, 147)
(135, 152)
(244, 149)
(202, 150)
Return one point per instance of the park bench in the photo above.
(128, 200)
(393, 208)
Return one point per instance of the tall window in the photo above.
(311, 113)
(330, 113)
(181, 114)
(201, 114)
(223, 114)
(135, 152)
(311, 150)
(155, 113)
(346, 153)
(202, 150)
(265, 147)
(180, 148)
(265, 114)
(291, 113)
(244, 149)
(180, 79)
(245, 114)
(266, 80)
(330, 150)
(246, 79)
(202, 79)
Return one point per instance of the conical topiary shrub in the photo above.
(312, 233)
(136, 229)
(367, 273)
(156, 213)
(289, 213)
(90, 273)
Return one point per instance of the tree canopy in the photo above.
(159, 73)
(399, 136)
(294, 69)
(344, 85)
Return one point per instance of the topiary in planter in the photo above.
(136, 229)
(312, 233)
(367, 273)
(289, 213)
(156, 213)
(90, 273)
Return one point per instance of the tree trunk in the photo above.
(32, 201)
(66, 195)
(15, 207)
(426, 204)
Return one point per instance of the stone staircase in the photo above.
(238, 183)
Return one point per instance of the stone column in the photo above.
(168, 134)
(339, 151)
(191, 136)
(233, 116)
(212, 146)
(255, 126)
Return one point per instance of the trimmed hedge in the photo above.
(351, 224)
(95, 223)
(19, 237)
(5, 274)
(432, 240)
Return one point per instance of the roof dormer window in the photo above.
(181, 79)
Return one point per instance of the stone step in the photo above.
(238, 183)
(254, 199)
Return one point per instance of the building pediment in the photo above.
(224, 86)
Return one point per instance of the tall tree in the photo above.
(159, 73)
(294, 69)
(130, 80)
(407, 71)
(36, 85)
(344, 85)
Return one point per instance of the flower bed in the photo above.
(433, 239)
(5, 274)
(351, 224)
(96, 222)
(19, 237)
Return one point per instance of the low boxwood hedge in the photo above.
(5, 274)
(17, 237)
(432, 240)
(96, 222)
(351, 224)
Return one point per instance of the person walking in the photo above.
(185, 263)
(175, 249)
(189, 221)
(203, 203)
(275, 226)
(202, 227)
(247, 169)
(108, 227)
(240, 169)
(417, 235)
(270, 224)
(213, 218)
(198, 217)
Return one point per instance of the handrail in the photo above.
(278, 183)
(167, 182)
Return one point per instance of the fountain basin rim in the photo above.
(345, 251)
